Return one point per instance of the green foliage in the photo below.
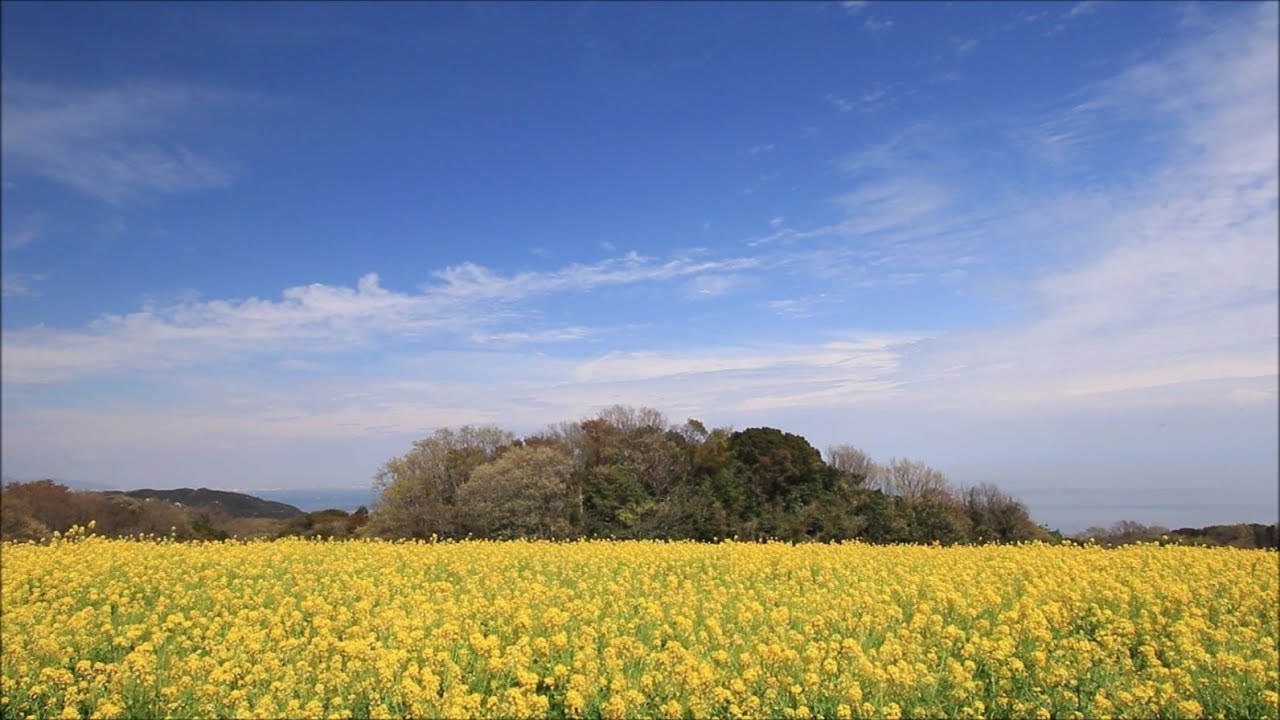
(784, 470)
(615, 500)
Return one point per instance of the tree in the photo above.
(628, 419)
(524, 492)
(934, 517)
(17, 521)
(854, 465)
(783, 469)
(910, 480)
(996, 516)
(417, 490)
(631, 460)
(47, 503)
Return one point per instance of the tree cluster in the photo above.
(1241, 535)
(629, 473)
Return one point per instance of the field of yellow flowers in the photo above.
(104, 628)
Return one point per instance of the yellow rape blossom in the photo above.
(102, 628)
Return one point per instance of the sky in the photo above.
(268, 245)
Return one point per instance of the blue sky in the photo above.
(264, 245)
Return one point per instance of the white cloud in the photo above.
(757, 149)
(109, 143)
(854, 7)
(966, 45)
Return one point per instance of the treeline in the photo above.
(629, 473)
(1241, 535)
(625, 473)
(36, 510)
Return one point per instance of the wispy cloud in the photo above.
(463, 299)
(757, 149)
(1059, 135)
(19, 284)
(475, 283)
(1168, 279)
(853, 7)
(1084, 7)
(800, 307)
(1180, 291)
(876, 25)
(705, 287)
(109, 143)
(843, 104)
(1076, 11)
(483, 387)
(874, 98)
(527, 337)
(756, 378)
(22, 236)
(966, 45)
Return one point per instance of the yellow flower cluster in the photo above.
(126, 628)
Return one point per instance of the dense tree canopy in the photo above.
(630, 472)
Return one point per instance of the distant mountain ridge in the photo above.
(234, 504)
(308, 499)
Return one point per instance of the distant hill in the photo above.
(234, 504)
(73, 484)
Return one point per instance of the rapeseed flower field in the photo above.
(93, 627)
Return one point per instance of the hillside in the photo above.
(236, 505)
